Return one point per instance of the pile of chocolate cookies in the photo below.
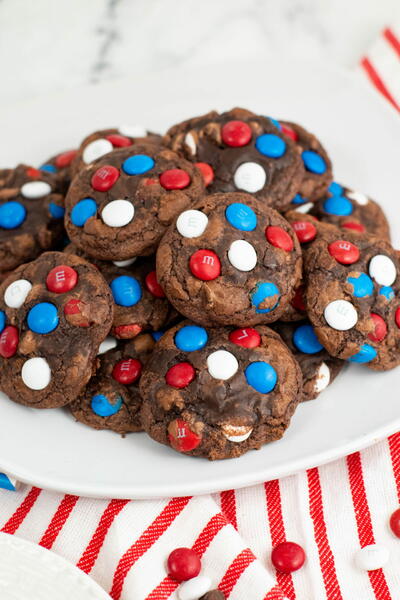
(197, 286)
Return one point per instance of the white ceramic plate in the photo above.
(362, 134)
(30, 571)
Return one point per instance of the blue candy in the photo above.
(103, 407)
(12, 215)
(362, 285)
(48, 168)
(191, 338)
(82, 211)
(335, 189)
(299, 199)
(306, 341)
(262, 291)
(365, 354)
(271, 145)
(387, 291)
(338, 205)
(138, 164)
(5, 483)
(261, 376)
(43, 318)
(126, 290)
(313, 162)
(2, 320)
(56, 211)
(241, 216)
(156, 335)
(276, 123)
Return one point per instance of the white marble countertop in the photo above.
(49, 45)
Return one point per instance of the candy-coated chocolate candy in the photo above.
(222, 364)
(242, 255)
(271, 145)
(33, 173)
(288, 557)
(289, 132)
(118, 213)
(250, 177)
(371, 557)
(246, 337)
(191, 143)
(183, 564)
(126, 290)
(358, 197)
(96, 149)
(36, 373)
(138, 164)
(364, 355)
(380, 328)
(322, 378)
(127, 370)
(305, 231)
(48, 168)
(133, 131)
(153, 286)
(61, 279)
(190, 338)
(344, 252)
(265, 296)
(127, 332)
(180, 375)
(124, 263)
(82, 211)
(9, 341)
(119, 141)
(236, 433)
(12, 215)
(74, 313)
(16, 293)
(57, 212)
(340, 315)
(354, 226)
(236, 133)
(313, 162)
(108, 344)
(2, 320)
(382, 269)
(104, 407)
(205, 265)
(181, 437)
(397, 316)
(387, 291)
(192, 223)
(335, 188)
(306, 341)
(298, 199)
(279, 238)
(157, 335)
(207, 171)
(175, 179)
(104, 178)
(338, 205)
(65, 159)
(395, 523)
(261, 376)
(298, 299)
(241, 216)
(35, 189)
(362, 285)
(43, 318)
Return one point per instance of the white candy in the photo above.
(371, 557)
(222, 364)
(322, 378)
(250, 177)
(35, 189)
(132, 131)
(340, 315)
(190, 142)
(124, 263)
(242, 255)
(236, 433)
(192, 223)
(358, 197)
(118, 213)
(95, 149)
(36, 373)
(382, 269)
(108, 344)
(194, 588)
(16, 293)
(304, 208)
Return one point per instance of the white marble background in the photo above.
(51, 45)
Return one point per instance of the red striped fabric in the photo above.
(394, 446)
(57, 522)
(22, 511)
(392, 39)
(235, 571)
(228, 506)
(378, 81)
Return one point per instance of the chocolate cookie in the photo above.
(139, 300)
(219, 392)
(61, 165)
(241, 151)
(121, 206)
(111, 400)
(318, 367)
(352, 210)
(229, 260)
(54, 313)
(31, 215)
(352, 297)
(99, 143)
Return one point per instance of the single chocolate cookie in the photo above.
(352, 210)
(54, 313)
(61, 165)
(318, 367)
(111, 400)
(31, 215)
(99, 143)
(219, 392)
(139, 300)
(229, 260)
(121, 206)
(241, 151)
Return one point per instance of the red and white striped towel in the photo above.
(332, 511)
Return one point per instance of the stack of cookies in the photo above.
(197, 286)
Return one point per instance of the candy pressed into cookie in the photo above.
(61, 166)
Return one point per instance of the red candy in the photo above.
(150, 181)
(61, 279)
(181, 437)
(9, 341)
(175, 179)
(63, 160)
(380, 330)
(180, 375)
(298, 299)
(344, 252)
(127, 371)
(118, 141)
(289, 132)
(395, 523)
(207, 172)
(305, 231)
(127, 332)
(354, 226)
(153, 286)
(104, 178)
(34, 173)
(397, 317)
(247, 337)
(288, 557)
(236, 133)
(73, 311)
(279, 238)
(205, 265)
(183, 564)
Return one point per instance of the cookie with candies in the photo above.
(241, 151)
(111, 400)
(121, 206)
(97, 144)
(60, 165)
(139, 300)
(229, 260)
(54, 313)
(352, 297)
(319, 369)
(351, 210)
(31, 215)
(219, 392)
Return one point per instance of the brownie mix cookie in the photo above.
(54, 313)
(61, 166)
(111, 400)
(120, 206)
(229, 260)
(219, 392)
(241, 151)
(31, 215)
(319, 369)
